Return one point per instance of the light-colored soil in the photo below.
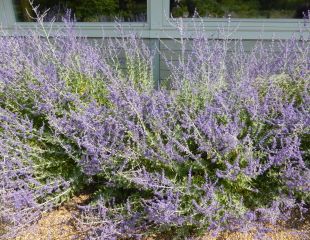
(56, 225)
(60, 225)
(277, 234)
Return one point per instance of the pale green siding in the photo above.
(160, 29)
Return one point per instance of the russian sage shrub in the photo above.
(223, 146)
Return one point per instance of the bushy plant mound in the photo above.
(224, 145)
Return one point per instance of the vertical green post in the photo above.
(2, 14)
(7, 15)
(155, 14)
(157, 9)
(154, 46)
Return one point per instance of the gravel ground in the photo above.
(59, 225)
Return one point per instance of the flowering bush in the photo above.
(223, 146)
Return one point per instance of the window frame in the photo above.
(160, 25)
(246, 28)
(87, 29)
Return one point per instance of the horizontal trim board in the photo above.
(159, 25)
(98, 32)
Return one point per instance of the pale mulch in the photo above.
(56, 225)
(60, 225)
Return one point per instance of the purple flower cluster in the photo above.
(23, 196)
(223, 146)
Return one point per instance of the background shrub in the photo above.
(226, 149)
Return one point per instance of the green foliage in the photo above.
(238, 8)
(84, 11)
(87, 87)
(292, 89)
(202, 148)
(51, 158)
(89, 11)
